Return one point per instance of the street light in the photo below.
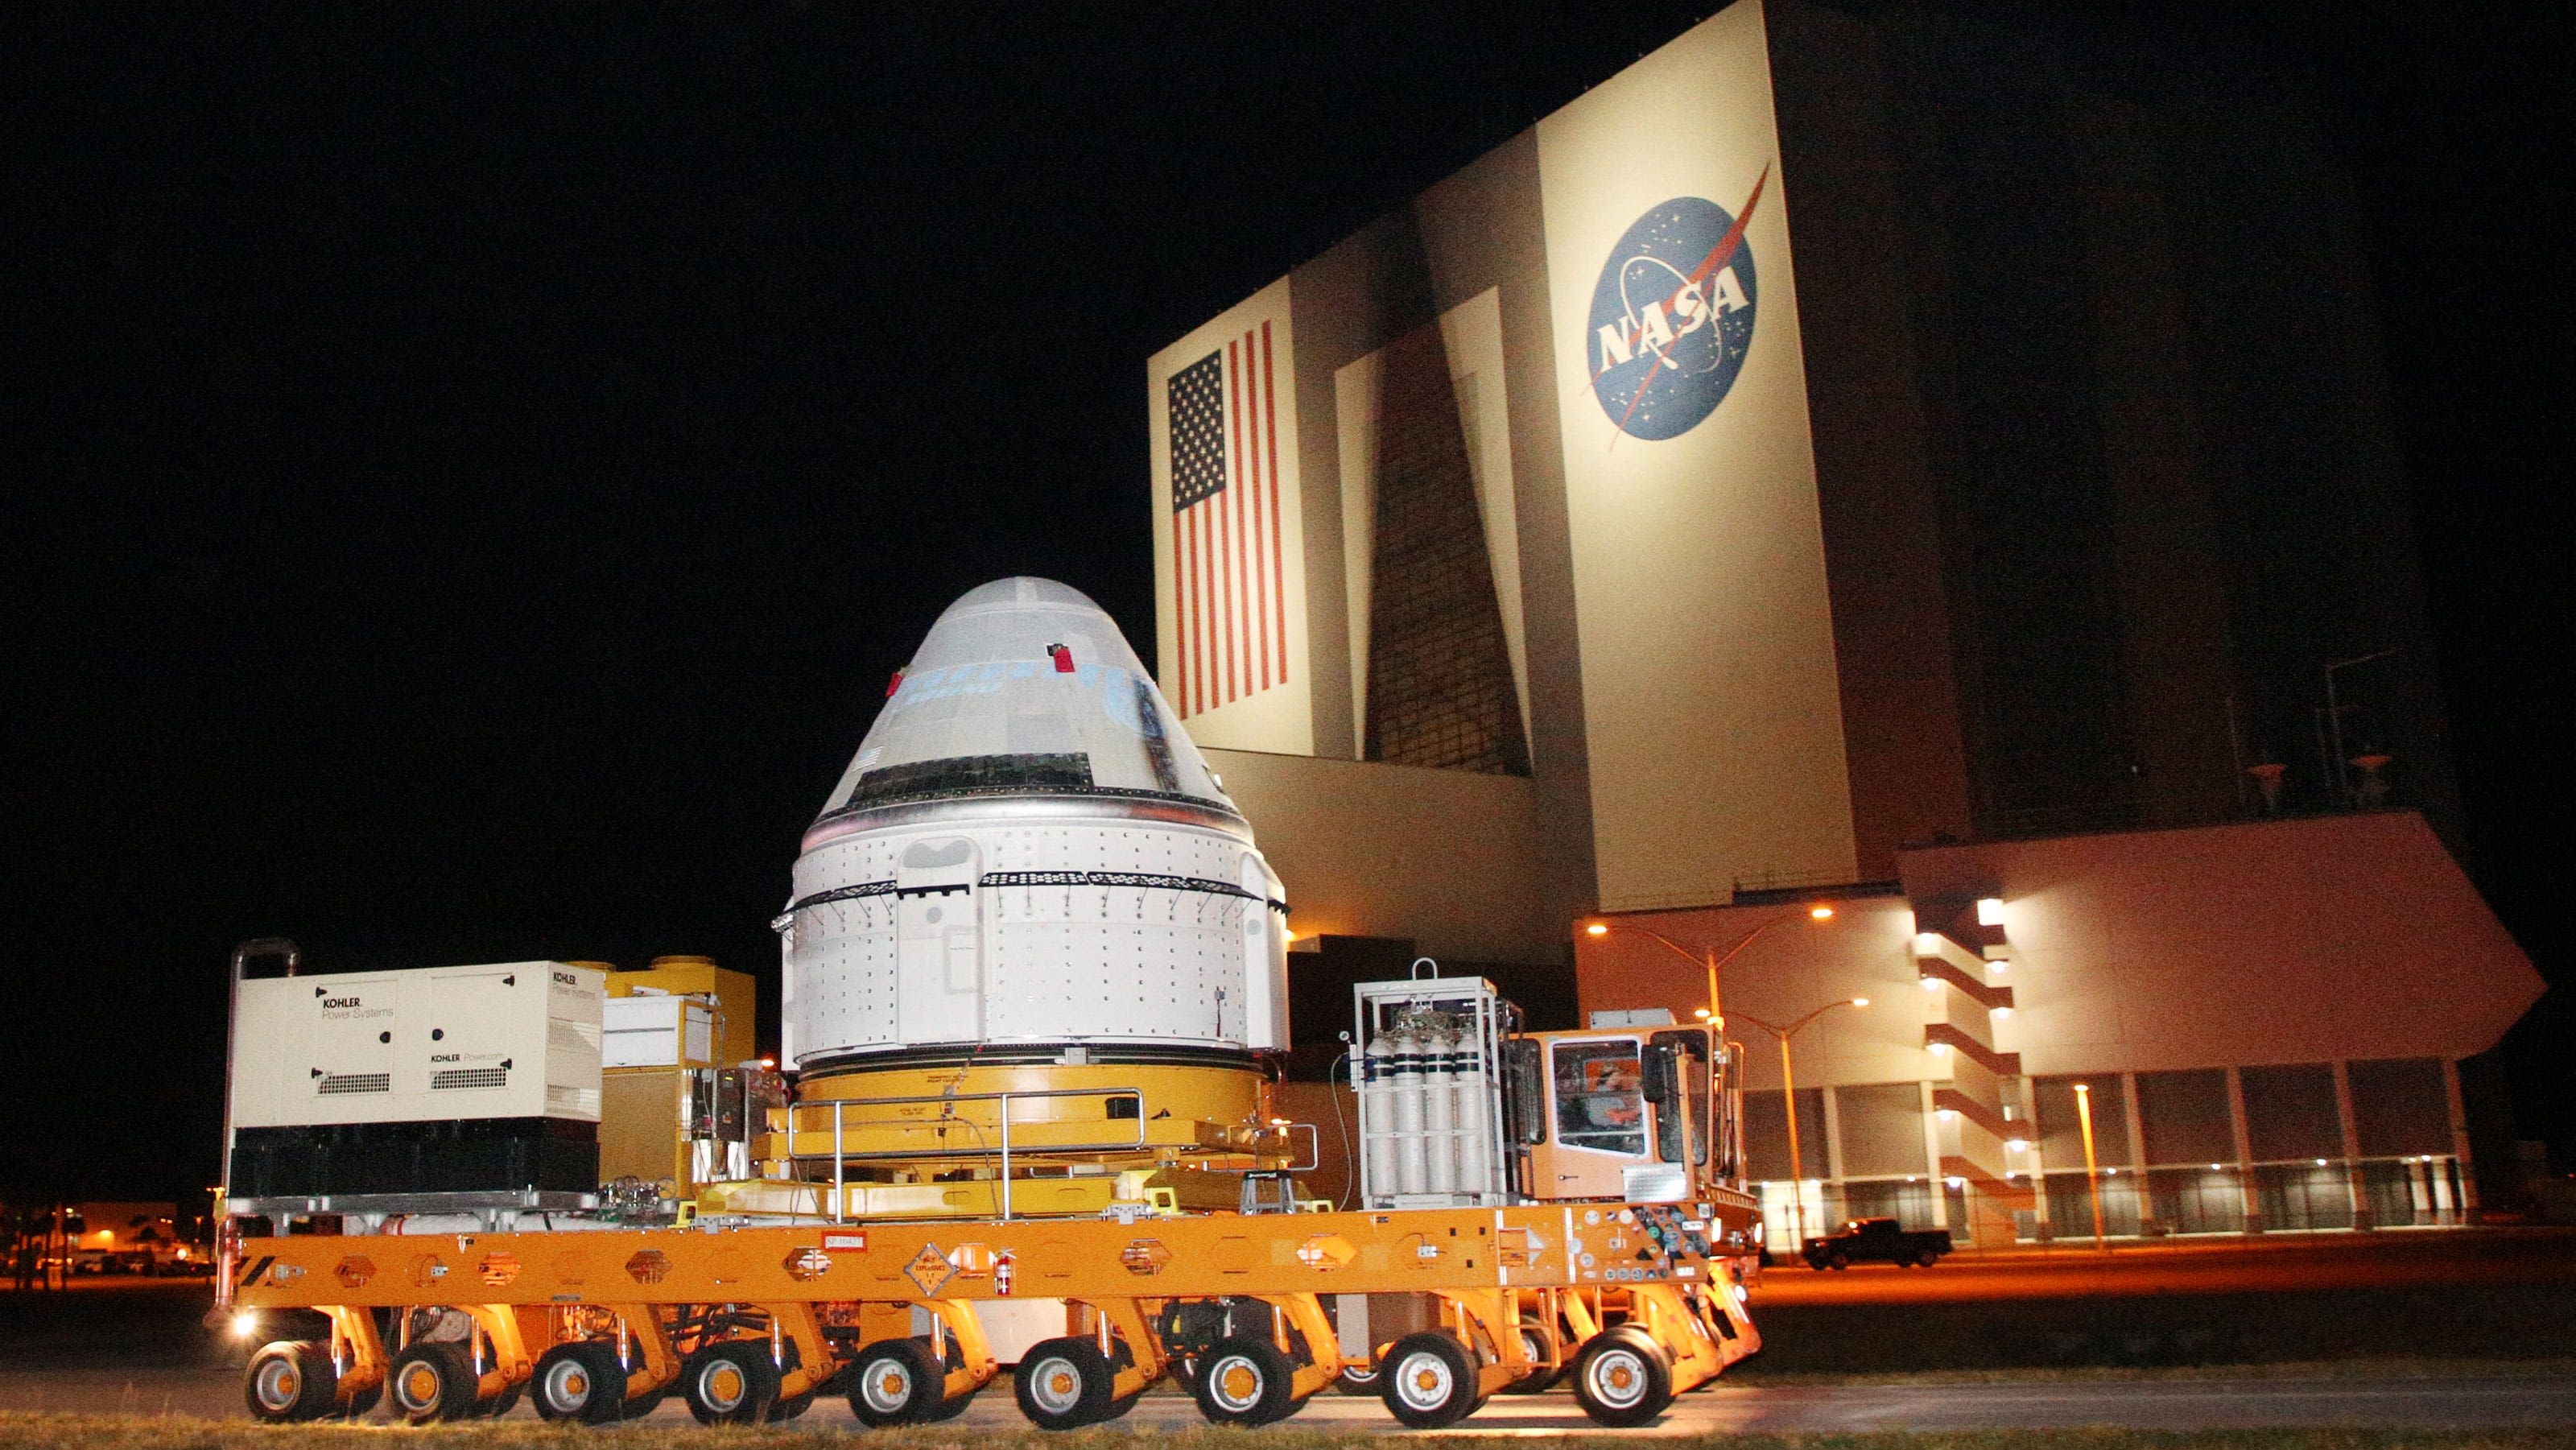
(1708, 957)
(1789, 1100)
(2092, 1175)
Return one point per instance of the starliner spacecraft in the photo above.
(1029, 881)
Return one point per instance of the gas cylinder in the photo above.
(1473, 1087)
(1412, 1157)
(1439, 1105)
(1376, 1072)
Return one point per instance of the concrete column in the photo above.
(2359, 1192)
(1833, 1136)
(2138, 1153)
(2036, 1160)
(2460, 1138)
(2245, 1194)
(1932, 1160)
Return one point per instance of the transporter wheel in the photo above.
(1063, 1384)
(1245, 1382)
(1538, 1346)
(1428, 1380)
(1623, 1377)
(1837, 1260)
(581, 1382)
(951, 1409)
(642, 1406)
(429, 1383)
(291, 1380)
(1927, 1258)
(895, 1382)
(364, 1402)
(1356, 1379)
(500, 1404)
(789, 1407)
(730, 1384)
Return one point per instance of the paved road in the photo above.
(2535, 1400)
(2303, 1263)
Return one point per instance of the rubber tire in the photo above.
(1927, 1258)
(788, 1407)
(501, 1404)
(1537, 1380)
(759, 1383)
(1400, 1371)
(1356, 1379)
(951, 1409)
(364, 1402)
(642, 1406)
(452, 1379)
(604, 1399)
(1225, 1400)
(1838, 1261)
(1087, 1402)
(302, 1385)
(1623, 1345)
(923, 1381)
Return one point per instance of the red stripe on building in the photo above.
(1181, 626)
(1191, 676)
(1278, 576)
(1223, 570)
(1246, 606)
(1256, 577)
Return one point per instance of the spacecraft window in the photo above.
(1600, 1096)
(972, 774)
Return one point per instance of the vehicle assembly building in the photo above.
(1884, 463)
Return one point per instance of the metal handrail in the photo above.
(841, 1157)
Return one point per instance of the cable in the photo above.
(1351, 1164)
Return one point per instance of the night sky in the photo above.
(466, 472)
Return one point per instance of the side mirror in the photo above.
(1661, 1077)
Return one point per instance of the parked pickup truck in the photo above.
(1877, 1238)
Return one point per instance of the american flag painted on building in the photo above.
(1229, 594)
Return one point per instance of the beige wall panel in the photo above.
(1445, 857)
(1866, 950)
(2263, 942)
(1712, 707)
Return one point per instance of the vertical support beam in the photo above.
(2246, 1196)
(2138, 1154)
(1833, 1136)
(1932, 1160)
(2035, 1158)
(2459, 1106)
(2353, 1186)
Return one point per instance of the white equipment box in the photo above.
(432, 1044)
(660, 1030)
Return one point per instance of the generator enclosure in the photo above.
(507, 1040)
(428, 1080)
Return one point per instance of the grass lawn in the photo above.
(122, 1432)
(1751, 1374)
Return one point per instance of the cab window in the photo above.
(1690, 1059)
(1600, 1096)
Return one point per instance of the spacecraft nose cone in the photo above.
(1023, 686)
(1029, 850)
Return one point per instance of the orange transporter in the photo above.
(1531, 1203)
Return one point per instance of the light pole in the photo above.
(2092, 1174)
(1789, 1100)
(1708, 957)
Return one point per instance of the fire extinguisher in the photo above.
(1005, 1274)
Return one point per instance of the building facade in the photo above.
(1837, 446)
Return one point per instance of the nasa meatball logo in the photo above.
(1673, 316)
